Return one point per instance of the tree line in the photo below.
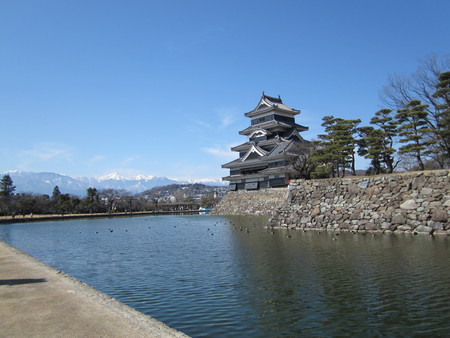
(95, 201)
(412, 132)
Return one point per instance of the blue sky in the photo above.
(161, 87)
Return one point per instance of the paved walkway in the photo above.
(38, 301)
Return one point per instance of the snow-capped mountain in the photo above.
(44, 182)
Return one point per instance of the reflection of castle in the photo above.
(263, 160)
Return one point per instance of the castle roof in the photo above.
(264, 157)
(268, 103)
(272, 124)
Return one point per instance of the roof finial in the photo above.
(263, 93)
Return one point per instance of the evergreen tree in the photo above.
(91, 203)
(443, 115)
(6, 186)
(56, 193)
(370, 146)
(345, 133)
(413, 131)
(326, 153)
(387, 132)
(336, 149)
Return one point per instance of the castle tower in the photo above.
(273, 136)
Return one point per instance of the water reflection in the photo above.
(230, 276)
(317, 283)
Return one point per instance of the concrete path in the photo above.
(39, 301)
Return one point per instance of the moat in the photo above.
(230, 276)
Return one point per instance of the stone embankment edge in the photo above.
(143, 325)
(46, 218)
(406, 203)
(251, 202)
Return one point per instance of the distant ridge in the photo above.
(44, 182)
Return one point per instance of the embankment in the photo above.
(39, 301)
(416, 202)
(252, 202)
(65, 217)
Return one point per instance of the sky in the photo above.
(89, 88)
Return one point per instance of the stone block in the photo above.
(315, 212)
(423, 229)
(418, 182)
(440, 233)
(398, 219)
(370, 226)
(338, 217)
(426, 191)
(409, 205)
(439, 215)
(353, 189)
(435, 225)
(363, 184)
(404, 227)
(414, 223)
(305, 219)
(385, 225)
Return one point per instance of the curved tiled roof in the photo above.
(272, 124)
(268, 103)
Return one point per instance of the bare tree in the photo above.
(111, 197)
(422, 85)
(298, 159)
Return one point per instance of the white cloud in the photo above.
(44, 156)
(220, 153)
(48, 152)
(96, 159)
(202, 124)
(129, 159)
(228, 116)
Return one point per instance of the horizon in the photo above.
(117, 176)
(161, 89)
(43, 183)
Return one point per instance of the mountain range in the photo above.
(44, 182)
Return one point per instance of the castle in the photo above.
(273, 138)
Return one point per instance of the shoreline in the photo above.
(57, 217)
(440, 233)
(38, 300)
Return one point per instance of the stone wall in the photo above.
(417, 202)
(262, 202)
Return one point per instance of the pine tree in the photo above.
(345, 134)
(6, 186)
(56, 193)
(92, 200)
(413, 131)
(388, 131)
(326, 151)
(370, 146)
(336, 149)
(443, 115)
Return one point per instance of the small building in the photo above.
(273, 138)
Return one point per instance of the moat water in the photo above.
(211, 276)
